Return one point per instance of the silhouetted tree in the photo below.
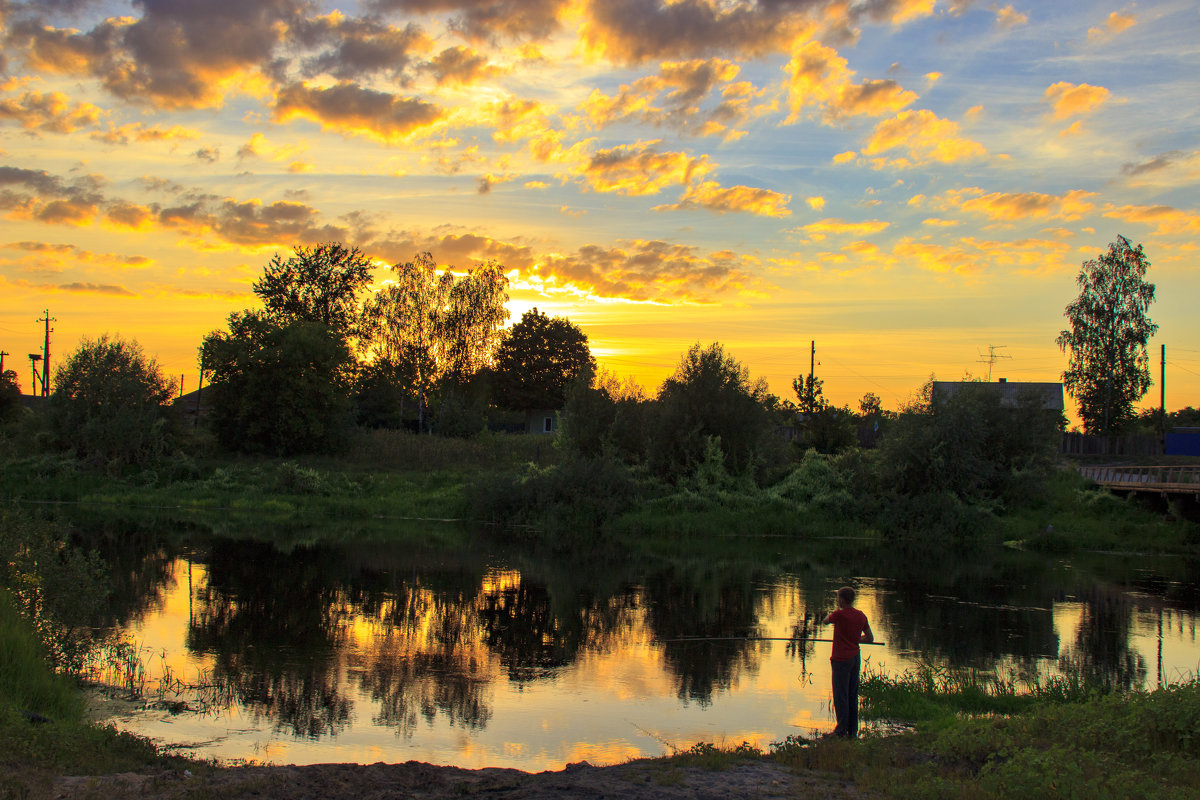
(277, 388)
(316, 284)
(710, 394)
(1108, 368)
(441, 329)
(10, 393)
(537, 361)
(109, 403)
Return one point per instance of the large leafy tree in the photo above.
(537, 361)
(709, 397)
(109, 403)
(316, 284)
(1108, 368)
(438, 328)
(277, 388)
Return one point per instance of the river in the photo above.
(247, 651)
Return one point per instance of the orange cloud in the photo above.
(712, 196)
(461, 65)
(136, 132)
(653, 271)
(639, 169)
(675, 98)
(840, 227)
(1009, 18)
(1115, 24)
(1070, 99)
(1013, 206)
(52, 112)
(818, 76)
(1168, 220)
(351, 109)
(926, 136)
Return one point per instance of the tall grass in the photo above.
(933, 694)
(26, 682)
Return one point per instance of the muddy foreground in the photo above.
(648, 779)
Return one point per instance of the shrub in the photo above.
(109, 404)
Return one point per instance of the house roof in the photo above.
(1011, 392)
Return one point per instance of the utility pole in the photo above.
(1162, 395)
(46, 353)
(812, 363)
(2, 355)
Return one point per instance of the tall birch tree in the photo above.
(1108, 368)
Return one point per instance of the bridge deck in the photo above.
(1171, 480)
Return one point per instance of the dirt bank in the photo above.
(650, 779)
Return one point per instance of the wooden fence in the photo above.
(1083, 444)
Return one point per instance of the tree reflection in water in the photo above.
(297, 637)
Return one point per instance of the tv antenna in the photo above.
(992, 357)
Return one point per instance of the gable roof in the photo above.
(1011, 392)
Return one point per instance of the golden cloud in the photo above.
(351, 109)
(52, 112)
(654, 271)
(640, 169)
(1115, 24)
(818, 76)
(461, 65)
(712, 196)
(1009, 18)
(675, 98)
(926, 136)
(839, 227)
(1166, 219)
(1069, 99)
(137, 132)
(1013, 206)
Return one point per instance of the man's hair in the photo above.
(846, 595)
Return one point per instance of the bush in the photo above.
(109, 404)
(575, 498)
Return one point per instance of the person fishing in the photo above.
(850, 629)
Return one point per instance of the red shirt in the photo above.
(848, 626)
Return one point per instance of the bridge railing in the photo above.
(1165, 478)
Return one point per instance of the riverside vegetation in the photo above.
(627, 475)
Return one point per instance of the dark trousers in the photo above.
(845, 696)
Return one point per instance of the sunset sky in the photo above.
(907, 182)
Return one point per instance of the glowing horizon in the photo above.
(912, 184)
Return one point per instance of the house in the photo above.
(541, 420)
(1013, 394)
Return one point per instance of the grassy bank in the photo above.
(43, 729)
(1048, 743)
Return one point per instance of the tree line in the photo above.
(429, 350)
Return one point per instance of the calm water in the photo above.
(487, 658)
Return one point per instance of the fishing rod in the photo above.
(755, 639)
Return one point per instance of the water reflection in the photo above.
(324, 644)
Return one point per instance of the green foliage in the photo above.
(828, 430)
(566, 504)
(710, 394)
(458, 416)
(10, 395)
(277, 389)
(55, 586)
(538, 360)
(26, 682)
(946, 464)
(810, 393)
(109, 404)
(438, 329)
(316, 284)
(1108, 367)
